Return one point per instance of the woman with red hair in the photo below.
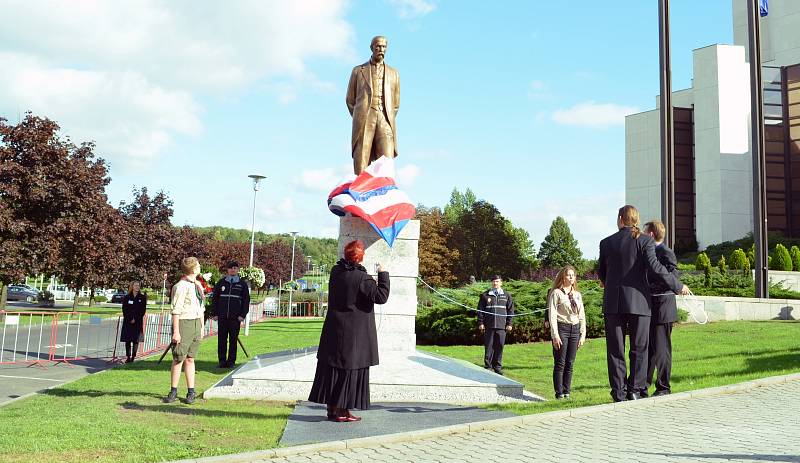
(348, 345)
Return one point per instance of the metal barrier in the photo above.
(26, 337)
(61, 337)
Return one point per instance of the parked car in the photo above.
(118, 296)
(21, 293)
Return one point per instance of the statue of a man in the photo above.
(373, 98)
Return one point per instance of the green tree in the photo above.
(485, 245)
(781, 260)
(795, 253)
(525, 247)
(722, 266)
(739, 261)
(460, 205)
(559, 247)
(704, 263)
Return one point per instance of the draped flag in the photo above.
(763, 7)
(374, 196)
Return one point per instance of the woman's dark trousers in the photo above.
(564, 358)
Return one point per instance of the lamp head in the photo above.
(256, 178)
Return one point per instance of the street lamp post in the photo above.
(256, 178)
(291, 277)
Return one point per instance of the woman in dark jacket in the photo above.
(133, 308)
(348, 345)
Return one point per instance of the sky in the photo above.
(523, 102)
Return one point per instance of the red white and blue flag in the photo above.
(374, 196)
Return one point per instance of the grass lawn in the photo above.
(703, 356)
(118, 415)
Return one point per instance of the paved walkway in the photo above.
(757, 425)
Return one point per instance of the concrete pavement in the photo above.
(755, 421)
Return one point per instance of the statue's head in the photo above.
(378, 47)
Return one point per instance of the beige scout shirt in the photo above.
(185, 303)
(560, 311)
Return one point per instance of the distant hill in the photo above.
(321, 250)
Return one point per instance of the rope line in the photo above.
(450, 299)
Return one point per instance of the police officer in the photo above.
(495, 311)
(231, 302)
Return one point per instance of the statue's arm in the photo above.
(397, 92)
(350, 99)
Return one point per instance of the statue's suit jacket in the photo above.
(359, 97)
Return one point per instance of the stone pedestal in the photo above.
(394, 320)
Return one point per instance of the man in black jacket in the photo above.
(625, 258)
(664, 313)
(230, 304)
(495, 311)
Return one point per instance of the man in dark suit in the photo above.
(664, 313)
(625, 258)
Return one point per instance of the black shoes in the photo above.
(562, 396)
(661, 392)
(633, 396)
(171, 397)
(190, 397)
(499, 372)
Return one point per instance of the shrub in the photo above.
(723, 267)
(100, 299)
(739, 261)
(781, 260)
(704, 263)
(794, 252)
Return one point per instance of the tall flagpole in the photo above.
(758, 150)
(667, 133)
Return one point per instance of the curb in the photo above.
(486, 425)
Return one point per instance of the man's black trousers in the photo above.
(493, 341)
(227, 340)
(660, 355)
(638, 328)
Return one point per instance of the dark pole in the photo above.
(757, 137)
(667, 134)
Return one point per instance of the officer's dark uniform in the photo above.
(231, 300)
(501, 305)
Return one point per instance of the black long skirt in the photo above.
(131, 332)
(340, 388)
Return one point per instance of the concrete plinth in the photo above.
(401, 377)
(404, 374)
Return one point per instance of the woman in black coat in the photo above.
(133, 308)
(348, 345)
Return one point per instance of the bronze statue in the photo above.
(373, 98)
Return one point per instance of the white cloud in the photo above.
(322, 180)
(407, 175)
(129, 75)
(594, 115)
(409, 9)
(538, 90)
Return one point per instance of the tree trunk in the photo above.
(3, 295)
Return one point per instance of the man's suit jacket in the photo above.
(359, 97)
(623, 265)
(663, 303)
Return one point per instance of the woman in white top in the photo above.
(567, 327)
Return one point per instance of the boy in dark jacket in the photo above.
(664, 313)
(230, 304)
